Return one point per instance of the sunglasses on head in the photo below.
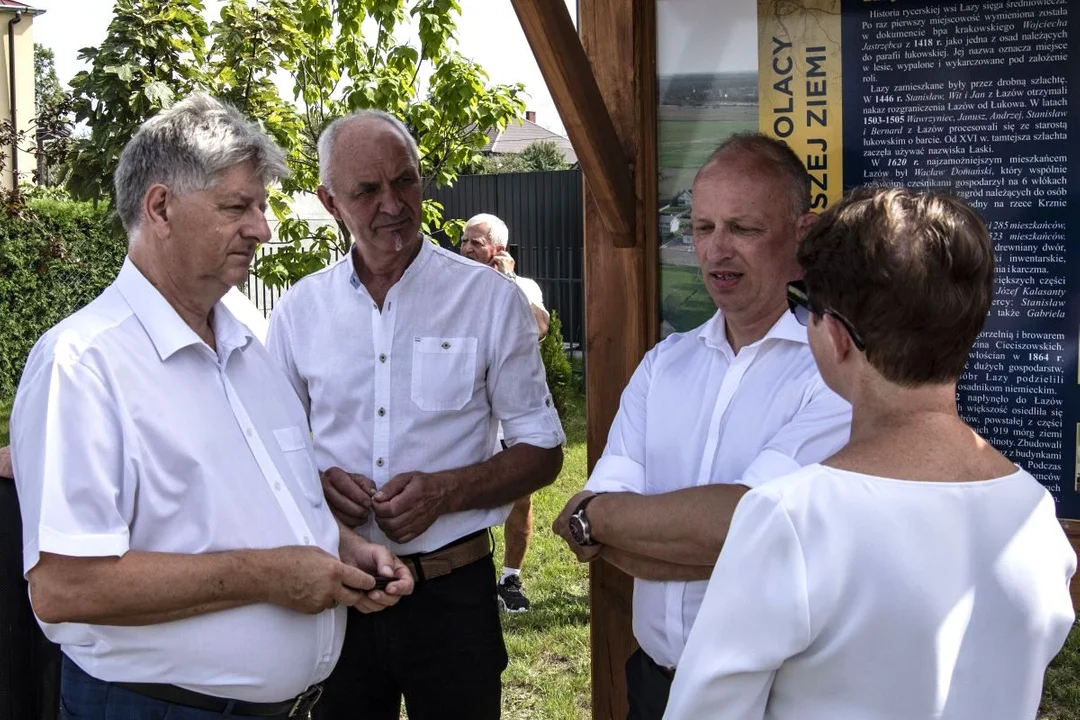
(798, 300)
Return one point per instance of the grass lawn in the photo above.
(548, 676)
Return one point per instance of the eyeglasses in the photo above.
(798, 301)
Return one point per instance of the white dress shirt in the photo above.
(841, 596)
(419, 385)
(695, 413)
(130, 433)
(245, 311)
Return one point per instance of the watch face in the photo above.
(577, 531)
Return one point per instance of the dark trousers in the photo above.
(441, 648)
(29, 664)
(647, 687)
(83, 696)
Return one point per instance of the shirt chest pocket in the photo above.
(443, 372)
(298, 457)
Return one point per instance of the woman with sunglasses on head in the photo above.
(917, 573)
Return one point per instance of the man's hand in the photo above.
(309, 580)
(376, 560)
(408, 505)
(349, 495)
(561, 527)
(5, 463)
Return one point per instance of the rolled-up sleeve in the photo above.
(75, 491)
(622, 466)
(818, 430)
(517, 381)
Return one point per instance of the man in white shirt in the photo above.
(484, 240)
(406, 357)
(175, 536)
(709, 413)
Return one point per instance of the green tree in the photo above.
(538, 156)
(341, 55)
(52, 119)
(47, 89)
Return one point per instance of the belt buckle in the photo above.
(306, 701)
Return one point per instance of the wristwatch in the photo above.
(579, 524)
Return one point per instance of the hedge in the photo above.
(55, 257)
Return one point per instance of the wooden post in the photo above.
(610, 117)
(621, 307)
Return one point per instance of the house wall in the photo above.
(24, 93)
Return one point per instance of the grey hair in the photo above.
(329, 135)
(186, 147)
(497, 231)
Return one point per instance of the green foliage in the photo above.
(55, 257)
(47, 89)
(154, 51)
(341, 55)
(52, 119)
(539, 156)
(560, 375)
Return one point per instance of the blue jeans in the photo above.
(83, 696)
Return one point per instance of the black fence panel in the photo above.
(544, 214)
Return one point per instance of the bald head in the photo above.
(374, 125)
(769, 158)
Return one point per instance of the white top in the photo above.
(695, 413)
(245, 311)
(841, 596)
(130, 433)
(421, 385)
(532, 291)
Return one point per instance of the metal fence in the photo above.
(543, 211)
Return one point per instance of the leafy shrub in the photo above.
(55, 257)
(559, 373)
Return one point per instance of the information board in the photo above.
(977, 98)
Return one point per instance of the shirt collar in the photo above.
(166, 329)
(427, 249)
(713, 333)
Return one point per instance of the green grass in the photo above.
(687, 143)
(548, 676)
(684, 301)
(1061, 688)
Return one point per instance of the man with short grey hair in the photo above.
(404, 381)
(484, 240)
(176, 540)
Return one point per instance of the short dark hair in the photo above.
(774, 154)
(913, 272)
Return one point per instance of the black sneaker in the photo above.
(511, 597)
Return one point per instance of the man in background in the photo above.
(484, 240)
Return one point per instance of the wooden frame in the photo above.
(615, 102)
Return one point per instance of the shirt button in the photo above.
(379, 462)
(250, 432)
(446, 346)
(307, 540)
(277, 486)
(382, 411)
(547, 401)
(382, 357)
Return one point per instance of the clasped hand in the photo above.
(403, 508)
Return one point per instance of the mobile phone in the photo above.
(381, 582)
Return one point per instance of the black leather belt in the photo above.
(298, 707)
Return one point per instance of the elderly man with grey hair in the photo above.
(176, 539)
(406, 357)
